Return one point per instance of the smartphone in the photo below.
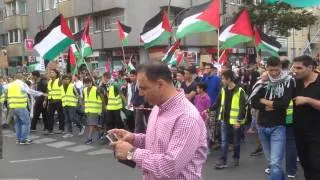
(112, 137)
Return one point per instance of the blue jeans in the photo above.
(273, 141)
(22, 123)
(226, 128)
(291, 152)
(70, 117)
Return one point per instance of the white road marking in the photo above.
(19, 179)
(61, 144)
(80, 148)
(99, 152)
(37, 159)
(44, 140)
(33, 137)
(9, 135)
(7, 132)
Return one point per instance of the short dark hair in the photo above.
(229, 75)
(285, 64)
(191, 69)
(87, 79)
(66, 76)
(228, 65)
(35, 73)
(273, 61)
(107, 75)
(305, 60)
(133, 72)
(180, 72)
(155, 71)
(202, 86)
(209, 64)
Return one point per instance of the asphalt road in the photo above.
(55, 158)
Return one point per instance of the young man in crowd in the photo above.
(232, 103)
(306, 113)
(272, 99)
(54, 102)
(41, 85)
(69, 98)
(213, 84)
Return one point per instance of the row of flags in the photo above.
(50, 42)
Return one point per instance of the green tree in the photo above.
(279, 18)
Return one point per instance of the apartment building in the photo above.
(22, 19)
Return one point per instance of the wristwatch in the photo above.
(130, 154)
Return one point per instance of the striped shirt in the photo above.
(175, 144)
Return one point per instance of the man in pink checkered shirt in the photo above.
(175, 144)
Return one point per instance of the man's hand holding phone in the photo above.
(122, 135)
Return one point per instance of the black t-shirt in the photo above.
(306, 117)
(190, 88)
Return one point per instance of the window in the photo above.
(54, 3)
(239, 2)
(72, 25)
(14, 36)
(256, 2)
(43, 5)
(1, 15)
(3, 40)
(81, 22)
(39, 5)
(21, 7)
(97, 23)
(46, 4)
(11, 9)
(111, 17)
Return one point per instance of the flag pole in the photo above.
(124, 57)
(218, 44)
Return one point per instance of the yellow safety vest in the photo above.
(92, 103)
(289, 119)
(235, 106)
(16, 97)
(114, 102)
(68, 98)
(54, 91)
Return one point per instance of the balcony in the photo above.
(15, 49)
(16, 22)
(8, 1)
(66, 8)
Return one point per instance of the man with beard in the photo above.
(306, 111)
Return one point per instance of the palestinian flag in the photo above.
(156, 30)
(238, 31)
(297, 3)
(223, 59)
(123, 33)
(201, 18)
(86, 45)
(72, 61)
(50, 42)
(265, 43)
(130, 66)
(167, 57)
(75, 51)
(177, 59)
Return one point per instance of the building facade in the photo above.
(22, 19)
